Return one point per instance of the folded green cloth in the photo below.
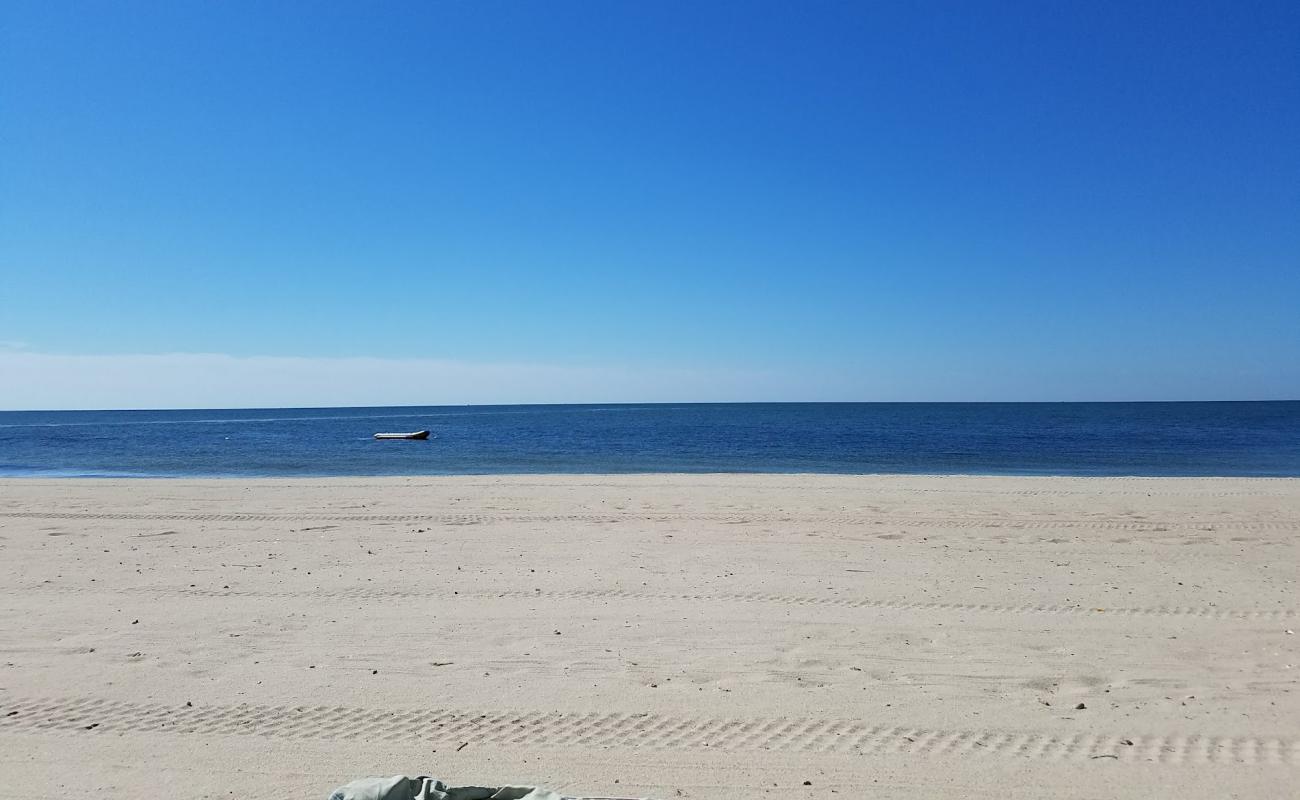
(400, 787)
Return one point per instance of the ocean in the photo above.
(1212, 439)
(1143, 439)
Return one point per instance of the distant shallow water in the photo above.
(1142, 439)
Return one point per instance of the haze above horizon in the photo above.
(207, 205)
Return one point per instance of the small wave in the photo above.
(37, 472)
(214, 421)
(467, 411)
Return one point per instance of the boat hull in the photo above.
(414, 435)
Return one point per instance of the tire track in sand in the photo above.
(621, 595)
(962, 523)
(514, 728)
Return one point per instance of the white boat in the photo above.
(414, 435)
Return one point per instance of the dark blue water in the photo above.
(988, 438)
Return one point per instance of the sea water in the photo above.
(1155, 439)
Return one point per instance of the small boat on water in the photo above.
(415, 435)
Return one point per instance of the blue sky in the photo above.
(675, 200)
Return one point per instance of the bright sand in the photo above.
(673, 636)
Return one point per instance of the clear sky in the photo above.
(246, 203)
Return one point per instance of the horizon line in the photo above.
(657, 403)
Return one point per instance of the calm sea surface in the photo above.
(990, 438)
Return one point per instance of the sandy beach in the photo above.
(664, 636)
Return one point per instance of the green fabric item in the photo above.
(401, 787)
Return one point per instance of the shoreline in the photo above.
(520, 475)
